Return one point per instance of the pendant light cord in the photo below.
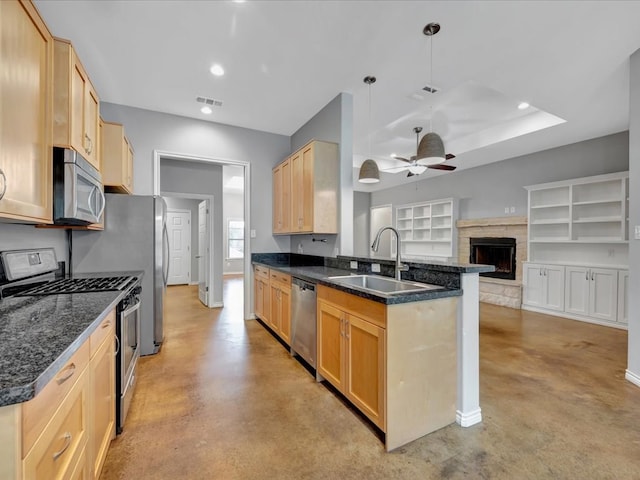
(431, 81)
(369, 120)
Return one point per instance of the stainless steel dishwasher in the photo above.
(303, 320)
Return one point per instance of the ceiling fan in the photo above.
(413, 164)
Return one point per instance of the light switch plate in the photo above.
(637, 232)
(253, 233)
(375, 267)
(353, 265)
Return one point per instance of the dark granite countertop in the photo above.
(39, 334)
(321, 274)
(431, 265)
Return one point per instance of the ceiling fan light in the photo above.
(369, 172)
(417, 169)
(431, 150)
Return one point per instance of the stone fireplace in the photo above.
(500, 241)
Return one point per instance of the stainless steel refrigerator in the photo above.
(134, 238)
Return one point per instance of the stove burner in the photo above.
(79, 285)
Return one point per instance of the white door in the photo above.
(533, 285)
(203, 260)
(554, 287)
(179, 231)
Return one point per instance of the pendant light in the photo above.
(431, 148)
(369, 172)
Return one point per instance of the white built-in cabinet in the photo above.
(544, 286)
(578, 249)
(426, 229)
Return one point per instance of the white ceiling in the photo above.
(285, 60)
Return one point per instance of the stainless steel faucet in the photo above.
(376, 243)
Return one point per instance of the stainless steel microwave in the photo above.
(78, 194)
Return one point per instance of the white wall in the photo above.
(232, 209)
(633, 367)
(333, 123)
(149, 131)
(485, 191)
(192, 206)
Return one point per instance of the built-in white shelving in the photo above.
(427, 229)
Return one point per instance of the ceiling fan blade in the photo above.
(402, 158)
(394, 169)
(409, 174)
(449, 156)
(442, 167)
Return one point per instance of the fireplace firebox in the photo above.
(499, 252)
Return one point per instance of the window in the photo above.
(235, 239)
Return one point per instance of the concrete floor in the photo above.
(224, 400)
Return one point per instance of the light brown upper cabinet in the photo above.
(314, 189)
(76, 105)
(117, 159)
(26, 100)
(282, 197)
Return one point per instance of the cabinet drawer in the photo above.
(37, 412)
(262, 272)
(104, 330)
(369, 310)
(280, 277)
(55, 452)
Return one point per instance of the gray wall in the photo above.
(201, 178)
(192, 206)
(485, 191)
(361, 224)
(149, 131)
(333, 123)
(14, 236)
(634, 217)
(232, 208)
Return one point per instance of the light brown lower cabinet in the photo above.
(262, 303)
(351, 356)
(396, 363)
(65, 430)
(280, 303)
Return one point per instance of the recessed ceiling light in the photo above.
(217, 70)
(238, 1)
(523, 106)
(206, 110)
(393, 155)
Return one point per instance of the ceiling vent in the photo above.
(430, 89)
(209, 101)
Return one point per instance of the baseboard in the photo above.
(232, 273)
(194, 283)
(468, 419)
(217, 305)
(632, 377)
(580, 318)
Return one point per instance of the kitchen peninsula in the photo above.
(407, 361)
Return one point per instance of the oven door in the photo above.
(130, 352)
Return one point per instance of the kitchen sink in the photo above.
(385, 285)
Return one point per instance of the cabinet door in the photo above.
(307, 189)
(129, 167)
(603, 294)
(533, 285)
(91, 118)
(297, 210)
(102, 402)
(331, 344)
(623, 296)
(285, 314)
(258, 298)
(365, 367)
(577, 290)
(26, 104)
(277, 200)
(553, 287)
(266, 301)
(274, 301)
(286, 197)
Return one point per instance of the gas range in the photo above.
(31, 273)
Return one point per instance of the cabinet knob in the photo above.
(4, 184)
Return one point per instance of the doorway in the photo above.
(217, 242)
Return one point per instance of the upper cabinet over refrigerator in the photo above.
(25, 114)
